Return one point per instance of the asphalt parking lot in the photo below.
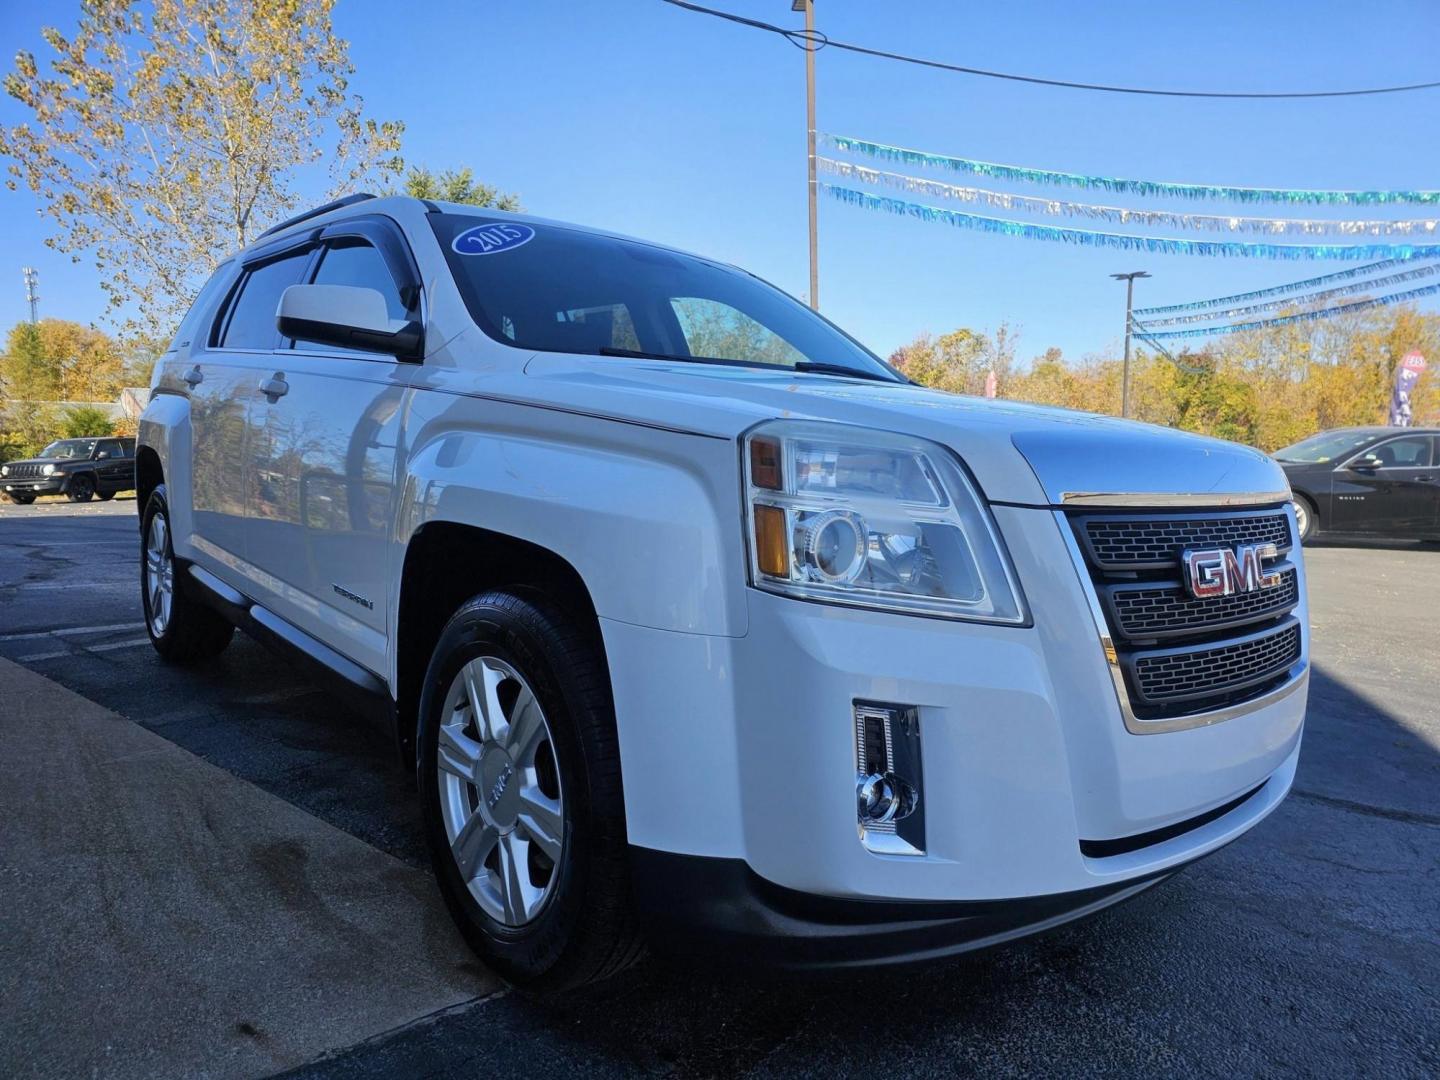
(229, 880)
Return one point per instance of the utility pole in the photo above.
(808, 6)
(1129, 280)
(32, 282)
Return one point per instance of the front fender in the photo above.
(649, 518)
(165, 428)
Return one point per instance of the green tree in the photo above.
(458, 186)
(165, 134)
(86, 421)
(25, 373)
(59, 360)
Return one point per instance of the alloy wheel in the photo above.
(159, 575)
(500, 794)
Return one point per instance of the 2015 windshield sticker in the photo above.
(492, 239)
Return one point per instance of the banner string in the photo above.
(1147, 188)
(1309, 298)
(1277, 290)
(1304, 316)
(1123, 216)
(1126, 242)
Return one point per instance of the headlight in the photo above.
(47, 470)
(872, 519)
(4, 470)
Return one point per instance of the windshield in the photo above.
(69, 449)
(1327, 446)
(555, 289)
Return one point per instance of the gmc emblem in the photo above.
(1223, 572)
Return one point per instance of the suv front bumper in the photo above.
(48, 485)
(1039, 804)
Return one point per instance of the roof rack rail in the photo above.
(348, 200)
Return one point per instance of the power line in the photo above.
(815, 40)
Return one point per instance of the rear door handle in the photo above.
(275, 387)
(193, 377)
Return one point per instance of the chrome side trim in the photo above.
(1207, 500)
(1133, 724)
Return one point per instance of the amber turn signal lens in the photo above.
(765, 463)
(771, 550)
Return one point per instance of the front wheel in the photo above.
(519, 773)
(1304, 518)
(22, 500)
(81, 488)
(105, 496)
(182, 630)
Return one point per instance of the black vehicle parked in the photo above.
(1370, 481)
(81, 469)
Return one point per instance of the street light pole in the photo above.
(808, 6)
(1129, 280)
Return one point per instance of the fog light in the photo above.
(887, 784)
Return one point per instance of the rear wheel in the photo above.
(1305, 517)
(519, 773)
(105, 496)
(81, 487)
(182, 630)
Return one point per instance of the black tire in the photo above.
(81, 488)
(192, 632)
(587, 929)
(1307, 518)
(104, 496)
(22, 500)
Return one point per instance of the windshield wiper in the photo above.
(813, 367)
(819, 367)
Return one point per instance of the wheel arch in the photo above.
(149, 475)
(445, 564)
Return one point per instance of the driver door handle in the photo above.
(275, 387)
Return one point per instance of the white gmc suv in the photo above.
(696, 621)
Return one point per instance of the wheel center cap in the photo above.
(499, 785)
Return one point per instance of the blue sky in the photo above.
(635, 116)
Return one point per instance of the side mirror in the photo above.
(1367, 464)
(349, 317)
(103, 455)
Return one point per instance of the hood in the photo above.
(1018, 453)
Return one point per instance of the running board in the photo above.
(366, 691)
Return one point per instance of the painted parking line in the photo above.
(72, 631)
(109, 645)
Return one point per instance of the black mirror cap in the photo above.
(407, 343)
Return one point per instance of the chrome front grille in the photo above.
(1174, 655)
(1138, 542)
(1183, 674)
(22, 472)
(1167, 610)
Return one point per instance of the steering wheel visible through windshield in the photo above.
(556, 289)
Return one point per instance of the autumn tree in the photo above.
(458, 186)
(165, 134)
(59, 360)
